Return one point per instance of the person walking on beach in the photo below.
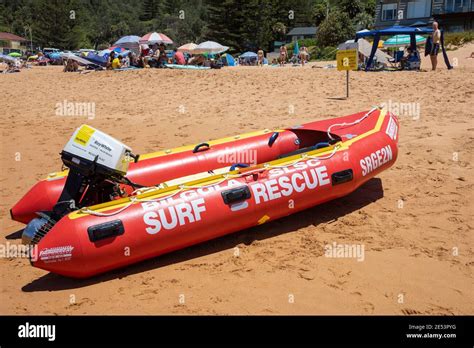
(436, 39)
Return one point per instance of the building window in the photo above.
(455, 5)
(418, 9)
(389, 12)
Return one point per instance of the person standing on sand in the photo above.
(303, 55)
(435, 39)
(260, 58)
(283, 55)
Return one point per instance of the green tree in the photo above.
(350, 7)
(335, 29)
(364, 21)
(369, 7)
(226, 22)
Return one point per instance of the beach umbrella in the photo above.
(14, 54)
(187, 48)
(403, 40)
(130, 42)
(155, 38)
(210, 47)
(117, 49)
(248, 55)
(127, 40)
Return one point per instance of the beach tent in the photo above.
(210, 47)
(403, 40)
(229, 59)
(96, 59)
(155, 38)
(365, 48)
(130, 42)
(187, 48)
(398, 30)
(79, 59)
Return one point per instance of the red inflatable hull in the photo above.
(153, 169)
(83, 244)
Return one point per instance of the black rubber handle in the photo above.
(235, 195)
(196, 149)
(273, 138)
(105, 230)
(342, 177)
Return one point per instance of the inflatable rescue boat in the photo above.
(113, 208)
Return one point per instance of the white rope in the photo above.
(344, 124)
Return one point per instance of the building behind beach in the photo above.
(11, 43)
(299, 33)
(453, 15)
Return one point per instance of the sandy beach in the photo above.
(415, 220)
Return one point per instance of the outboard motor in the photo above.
(97, 166)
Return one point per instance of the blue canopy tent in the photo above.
(398, 30)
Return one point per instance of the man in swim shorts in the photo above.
(436, 39)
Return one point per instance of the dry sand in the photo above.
(411, 265)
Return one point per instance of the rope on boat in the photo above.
(181, 188)
(344, 124)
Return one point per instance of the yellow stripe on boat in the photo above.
(211, 143)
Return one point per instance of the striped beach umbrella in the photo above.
(403, 40)
(155, 38)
